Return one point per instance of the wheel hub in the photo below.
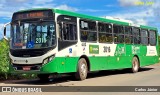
(135, 65)
(83, 69)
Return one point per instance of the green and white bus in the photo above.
(52, 41)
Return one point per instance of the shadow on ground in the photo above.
(67, 78)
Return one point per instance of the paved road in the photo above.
(147, 76)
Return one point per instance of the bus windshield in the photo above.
(32, 35)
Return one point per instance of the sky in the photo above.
(144, 12)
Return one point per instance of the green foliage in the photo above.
(4, 64)
(21, 76)
(158, 40)
(28, 76)
(4, 58)
(159, 44)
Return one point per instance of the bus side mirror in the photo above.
(4, 31)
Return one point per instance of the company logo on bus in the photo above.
(93, 49)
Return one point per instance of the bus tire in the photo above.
(43, 77)
(135, 65)
(82, 69)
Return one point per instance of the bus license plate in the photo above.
(26, 68)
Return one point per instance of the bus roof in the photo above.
(148, 27)
(34, 9)
(89, 17)
(107, 20)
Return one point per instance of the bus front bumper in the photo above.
(31, 69)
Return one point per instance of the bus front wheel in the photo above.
(135, 65)
(82, 70)
(43, 77)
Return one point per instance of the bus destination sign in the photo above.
(28, 15)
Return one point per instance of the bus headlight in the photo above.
(48, 59)
(45, 61)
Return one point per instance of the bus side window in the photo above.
(136, 35)
(60, 30)
(144, 37)
(118, 32)
(67, 31)
(84, 35)
(88, 30)
(152, 37)
(128, 35)
(105, 32)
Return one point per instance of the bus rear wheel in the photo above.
(135, 64)
(82, 69)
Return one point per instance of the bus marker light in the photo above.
(117, 58)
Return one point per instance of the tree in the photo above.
(4, 58)
(159, 44)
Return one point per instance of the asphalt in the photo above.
(147, 76)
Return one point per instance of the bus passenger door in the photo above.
(67, 40)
